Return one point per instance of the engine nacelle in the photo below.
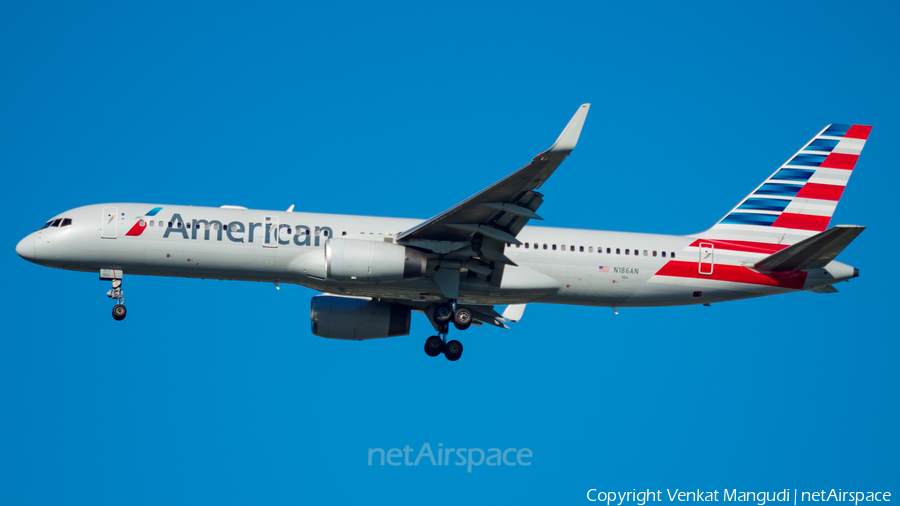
(357, 260)
(357, 319)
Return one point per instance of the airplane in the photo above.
(456, 267)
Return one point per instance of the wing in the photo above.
(474, 232)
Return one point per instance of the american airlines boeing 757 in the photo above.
(457, 266)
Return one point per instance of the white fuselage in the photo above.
(554, 265)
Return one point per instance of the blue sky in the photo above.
(216, 392)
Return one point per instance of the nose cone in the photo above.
(25, 248)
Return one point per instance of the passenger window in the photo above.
(545, 246)
(215, 226)
(664, 254)
(608, 250)
(563, 247)
(141, 222)
(152, 223)
(526, 247)
(178, 224)
(160, 223)
(645, 252)
(627, 251)
(581, 249)
(672, 254)
(188, 225)
(56, 222)
(554, 247)
(590, 249)
(571, 248)
(170, 224)
(654, 252)
(343, 233)
(66, 222)
(636, 252)
(518, 245)
(618, 251)
(325, 233)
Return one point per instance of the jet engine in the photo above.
(356, 260)
(357, 319)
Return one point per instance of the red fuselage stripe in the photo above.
(748, 246)
(734, 274)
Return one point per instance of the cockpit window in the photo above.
(66, 222)
(56, 222)
(46, 225)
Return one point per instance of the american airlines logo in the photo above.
(236, 231)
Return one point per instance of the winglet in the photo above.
(569, 136)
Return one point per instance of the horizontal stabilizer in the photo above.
(811, 253)
(824, 289)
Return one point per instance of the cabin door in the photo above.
(707, 257)
(110, 220)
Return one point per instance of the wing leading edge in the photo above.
(512, 197)
(470, 237)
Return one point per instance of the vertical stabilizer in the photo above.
(798, 200)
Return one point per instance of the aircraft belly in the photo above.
(471, 291)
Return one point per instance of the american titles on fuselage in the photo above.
(237, 231)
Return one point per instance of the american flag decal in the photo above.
(604, 268)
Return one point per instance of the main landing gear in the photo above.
(442, 316)
(118, 312)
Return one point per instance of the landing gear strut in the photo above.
(118, 312)
(442, 315)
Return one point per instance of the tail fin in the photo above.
(798, 200)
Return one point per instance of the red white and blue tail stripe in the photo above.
(798, 200)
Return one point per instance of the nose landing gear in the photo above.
(118, 312)
(441, 317)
